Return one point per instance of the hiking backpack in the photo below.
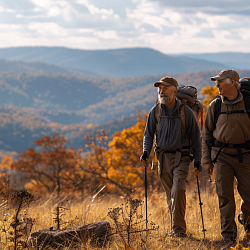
(245, 90)
(188, 94)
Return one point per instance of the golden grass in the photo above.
(88, 210)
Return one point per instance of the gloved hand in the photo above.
(144, 156)
(144, 159)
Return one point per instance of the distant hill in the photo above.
(69, 99)
(234, 60)
(33, 105)
(111, 63)
(40, 67)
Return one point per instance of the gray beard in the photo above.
(165, 99)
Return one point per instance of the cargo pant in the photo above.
(227, 168)
(173, 175)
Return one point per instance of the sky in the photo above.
(169, 26)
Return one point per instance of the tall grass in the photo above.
(78, 212)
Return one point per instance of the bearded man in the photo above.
(178, 141)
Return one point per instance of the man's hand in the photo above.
(197, 172)
(144, 159)
(197, 168)
(209, 168)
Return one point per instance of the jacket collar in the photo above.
(239, 98)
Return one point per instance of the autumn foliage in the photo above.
(113, 163)
(48, 166)
(210, 93)
(109, 163)
(117, 166)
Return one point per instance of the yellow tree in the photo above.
(96, 164)
(118, 165)
(4, 176)
(210, 93)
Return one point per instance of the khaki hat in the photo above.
(167, 80)
(227, 73)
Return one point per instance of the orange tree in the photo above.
(96, 165)
(49, 166)
(210, 93)
(118, 165)
(4, 176)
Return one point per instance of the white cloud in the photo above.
(173, 16)
(7, 10)
(244, 33)
(94, 10)
(8, 27)
(108, 35)
(47, 29)
(168, 26)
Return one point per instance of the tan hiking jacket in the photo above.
(230, 128)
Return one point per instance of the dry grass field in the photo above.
(77, 212)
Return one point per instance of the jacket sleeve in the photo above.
(149, 132)
(193, 131)
(207, 134)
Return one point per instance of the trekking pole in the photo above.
(146, 197)
(200, 203)
(198, 186)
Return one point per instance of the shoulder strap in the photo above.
(246, 98)
(217, 109)
(182, 113)
(158, 111)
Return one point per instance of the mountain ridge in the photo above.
(236, 60)
(125, 62)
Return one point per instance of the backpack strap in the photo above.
(246, 97)
(217, 109)
(158, 111)
(182, 114)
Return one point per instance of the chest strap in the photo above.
(221, 145)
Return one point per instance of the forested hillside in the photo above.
(33, 105)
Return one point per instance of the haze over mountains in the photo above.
(48, 90)
(111, 63)
(235, 60)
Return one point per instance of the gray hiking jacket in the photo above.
(169, 131)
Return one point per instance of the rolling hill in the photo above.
(111, 63)
(33, 105)
(234, 60)
(47, 90)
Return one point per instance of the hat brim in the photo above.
(215, 78)
(157, 84)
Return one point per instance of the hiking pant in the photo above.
(227, 168)
(173, 179)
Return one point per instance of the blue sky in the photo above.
(170, 26)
